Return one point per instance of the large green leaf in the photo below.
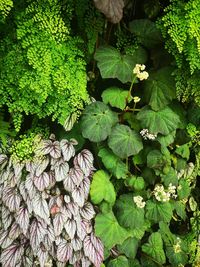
(124, 142)
(163, 121)
(160, 89)
(127, 213)
(116, 97)
(109, 230)
(129, 247)
(119, 262)
(113, 163)
(113, 64)
(102, 189)
(97, 121)
(158, 211)
(146, 32)
(154, 248)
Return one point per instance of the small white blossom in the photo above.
(139, 202)
(172, 190)
(140, 73)
(146, 135)
(136, 99)
(160, 193)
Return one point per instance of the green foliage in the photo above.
(5, 7)
(116, 97)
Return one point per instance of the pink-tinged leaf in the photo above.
(38, 230)
(46, 146)
(75, 258)
(67, 199)
(11, 256)
(93, 249)
(22, 218)
(27, 260)
(5, 241)
(79, 196)
(67, 149)
(15, 231)
(6, 217)
(52, 179)
(40, 208)
(29, 204)
(58, 223)
(61, 171)
(18, 167)
(42, 255)
(11, 199)
(70, 227)
(49, 238)
(42, 181)
(87, 212)
(29, 185)
(23, 190)
(64, 251)
(86, 187)
(55, 151)
(82, 229)
(69, 184)
(85, 161)
(41, 165)
(73, 208)
(76, 244)
(85, 262)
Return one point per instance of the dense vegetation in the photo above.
(119, 78)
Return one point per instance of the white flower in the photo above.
(136, 99)
(139, 202)
(160, 193)
(140, 73)
(146, 135)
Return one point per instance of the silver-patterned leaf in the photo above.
(70, 227)
(93, 249)
(49, 238)
(67, 149)
(76, 244)
(58, 223)
(38, 230)
(85, 161)
(22, 218)
(13, 180)
(30, 187)
(41, 165)
(40, 208)
(87, 212)
(55, 151)
(64, 251)
(42, 181)
(61, 171)
(85, 262)
(75, 258)
(11, 199)
(73, 208)
(18, 167)
(42, 255)
(11, 256)
(6, 217)
(23, 190)
(86, 186)
(3, 161)
(78, 196)
(82, 229)
(46, 146)
(52, 179)
(5, 241)
(15, 231)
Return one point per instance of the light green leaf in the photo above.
(163, 121)
(129, 247)
(113, 163)
(113, 64)
(166, 140)
(158, 211)
(124, 142)
(97, 121)
(154, 248)
(109, 230)
(101, 188)
(183, 189)
(146, 32)
(127, 213)
(116, 97)
(183, 151)
(180, 209)
(170, 177)
(119, 262)
(160, 88)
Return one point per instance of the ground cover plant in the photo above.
(99, 133)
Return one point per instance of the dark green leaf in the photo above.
(116, 97)
(119, 262)
(183, 151)
(157, 211)
(180, 209)
(129, 247)
(183, 189)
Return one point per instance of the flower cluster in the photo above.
(146, 135)
(140, 73)
(45, 215)
(139, 202)
(177, 246)
(163, 195)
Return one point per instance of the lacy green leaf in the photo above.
(156, 211)
(109, 230)
(163, 121)
(124, 142)
(102, 189)
(129, 247)
(113, 64)
(146, 32)
(97, 121)
(160, 89)
(154, 248)
(127, 213)
(116, 97)
(119, 262)
(113, 163)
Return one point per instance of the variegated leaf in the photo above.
(87, 212)
(40, 207)
(67, 149)
(11, 199)
(23, 190)
(93, 249)
(86, 186)
(18, 167)
(85, 262)
(5, 241)
(6, 217)
(76, 244)
(38, 230)
(85, 161)
(46, 146)
(3, 161)
(58, 223)
(52, 179)
(42, 181)
(55, 151)
(70, 227)
(69, 184)
(41, 165)
(61, 171)
(22, 218)
(82, 229)
(13, 180)
(49, 237)
(78, 196)
(73, 208)
(42, 255)
(11, 256)
(15, 231)
(64, 251)
(29, 185)
(75, 258)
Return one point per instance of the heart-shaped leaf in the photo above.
(116, 97)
